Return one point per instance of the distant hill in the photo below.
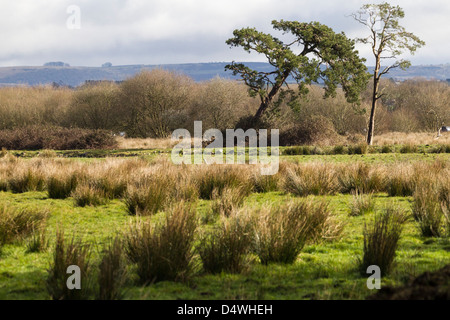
(75, 76)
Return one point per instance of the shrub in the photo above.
(112, 272)
(65, 254)
(92, 106)
(362, 204)
(16, 224)
(311, 131)
(164, 251)
(224, 248)
(56, 138)
(381, 240)
(281, 233)
(153, 103)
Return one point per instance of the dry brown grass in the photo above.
(228, 202)
(16, 224)
(224, 248)
(381, 240)
(281, 233)
(419, 138)
(164, 251)
(385, 139)
(136, 143)
(311, 179)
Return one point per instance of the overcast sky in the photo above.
(122, 32)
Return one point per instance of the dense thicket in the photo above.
(154, 103)
(55, 138)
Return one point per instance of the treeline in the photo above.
(154, 103)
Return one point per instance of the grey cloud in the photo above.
(171, 31)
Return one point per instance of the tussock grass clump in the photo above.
(428, 209)
(340, 150)
(163, 251)
(358, 149)
(113, 188)
(112, 272)
(302, 150)
(217, 178)
(444, 191)
(3, 184)
(263, 184)
(409, 148)
(38, 241)
(225, 247)
(86, 195)
(387, 149)
(315, 179)
(362, 178)
(381, 240)
(17, 224)
(158, 191)
(26, 180)
(293, 151)
(362, 204)
(400, 184)
(184, 188)
(281, 233)
(66, 254)
(443, 148)
(148, 197)
(228, 202)
(61, 186)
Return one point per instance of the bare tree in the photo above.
(388, 41)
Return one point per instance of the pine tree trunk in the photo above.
(268, 100)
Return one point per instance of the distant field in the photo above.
(326, 268)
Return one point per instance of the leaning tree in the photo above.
(388, 40)
(314, 54)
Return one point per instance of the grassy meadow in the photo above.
(140, 227)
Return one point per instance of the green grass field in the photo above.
(327, 270)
